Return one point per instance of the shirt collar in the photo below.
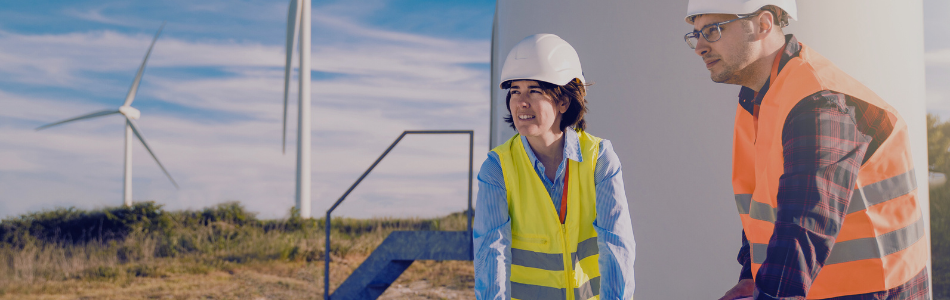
(572, 147)
(749, 98)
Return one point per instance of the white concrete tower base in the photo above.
(672, 127)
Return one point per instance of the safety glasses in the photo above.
(711, 32)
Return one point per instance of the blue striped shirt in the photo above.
(492, 226)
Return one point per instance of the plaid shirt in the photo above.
(823, 138)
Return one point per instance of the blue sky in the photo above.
(211, 101)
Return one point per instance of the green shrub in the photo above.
(938, 159)
(940, 240)
(228, 212)
(119, 244)
(101, 273)
(145, 271)
(71, 225)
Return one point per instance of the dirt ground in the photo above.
(260, 281)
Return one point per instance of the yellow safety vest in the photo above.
(550, 260)
(881, 243)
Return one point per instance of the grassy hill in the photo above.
(221, 252)
(225, 252)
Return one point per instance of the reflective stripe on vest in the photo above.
(553, 261)
(550, 260)
(880, 244)
(589, 289)
(863, 248)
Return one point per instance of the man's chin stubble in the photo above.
(723, 77)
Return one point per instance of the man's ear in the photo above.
(766, 20)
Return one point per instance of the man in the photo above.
(822, 171)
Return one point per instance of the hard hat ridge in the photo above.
(543, 57)
(737, 7)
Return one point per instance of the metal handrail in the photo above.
(468, 213)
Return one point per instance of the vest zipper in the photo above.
(568, 266)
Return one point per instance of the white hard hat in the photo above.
(544, 57)
(736, 7)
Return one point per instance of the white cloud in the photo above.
(937, 102)
(936, 98)
(366, 32)
(60, 60)
(95, 15)
(388, 82)
(217, 162)
(938, 72)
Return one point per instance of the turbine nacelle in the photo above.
(130, 112)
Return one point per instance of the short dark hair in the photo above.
(779, 16)
(575, 92)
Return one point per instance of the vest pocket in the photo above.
(530, 239)
(534, 251)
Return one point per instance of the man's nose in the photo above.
(702, 46)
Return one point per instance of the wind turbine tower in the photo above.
(299, 17)
(130, 114)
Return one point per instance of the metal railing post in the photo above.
(468, 213)
(326, 261)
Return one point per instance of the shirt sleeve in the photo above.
(492, 233)
(615, 241)
(823, 152)
(745, 259)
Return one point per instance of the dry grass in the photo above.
(215, 258)
(270, 280)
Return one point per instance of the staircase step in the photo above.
(396, 254)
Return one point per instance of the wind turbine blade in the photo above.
(142, 139)
(138, 76)
(92, 115)
(293, 15)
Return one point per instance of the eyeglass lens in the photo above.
(711, 34)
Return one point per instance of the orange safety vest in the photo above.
(881, 242)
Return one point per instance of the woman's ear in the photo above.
(564, 105)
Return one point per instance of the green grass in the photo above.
(938, 160)
(52, 251)
(940, 240)
(119, 245)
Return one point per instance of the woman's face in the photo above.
(534, 112)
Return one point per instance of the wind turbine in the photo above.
(130, 114)
(299, 17)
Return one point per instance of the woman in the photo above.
(551, 221)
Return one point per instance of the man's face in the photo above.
(726, 58)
